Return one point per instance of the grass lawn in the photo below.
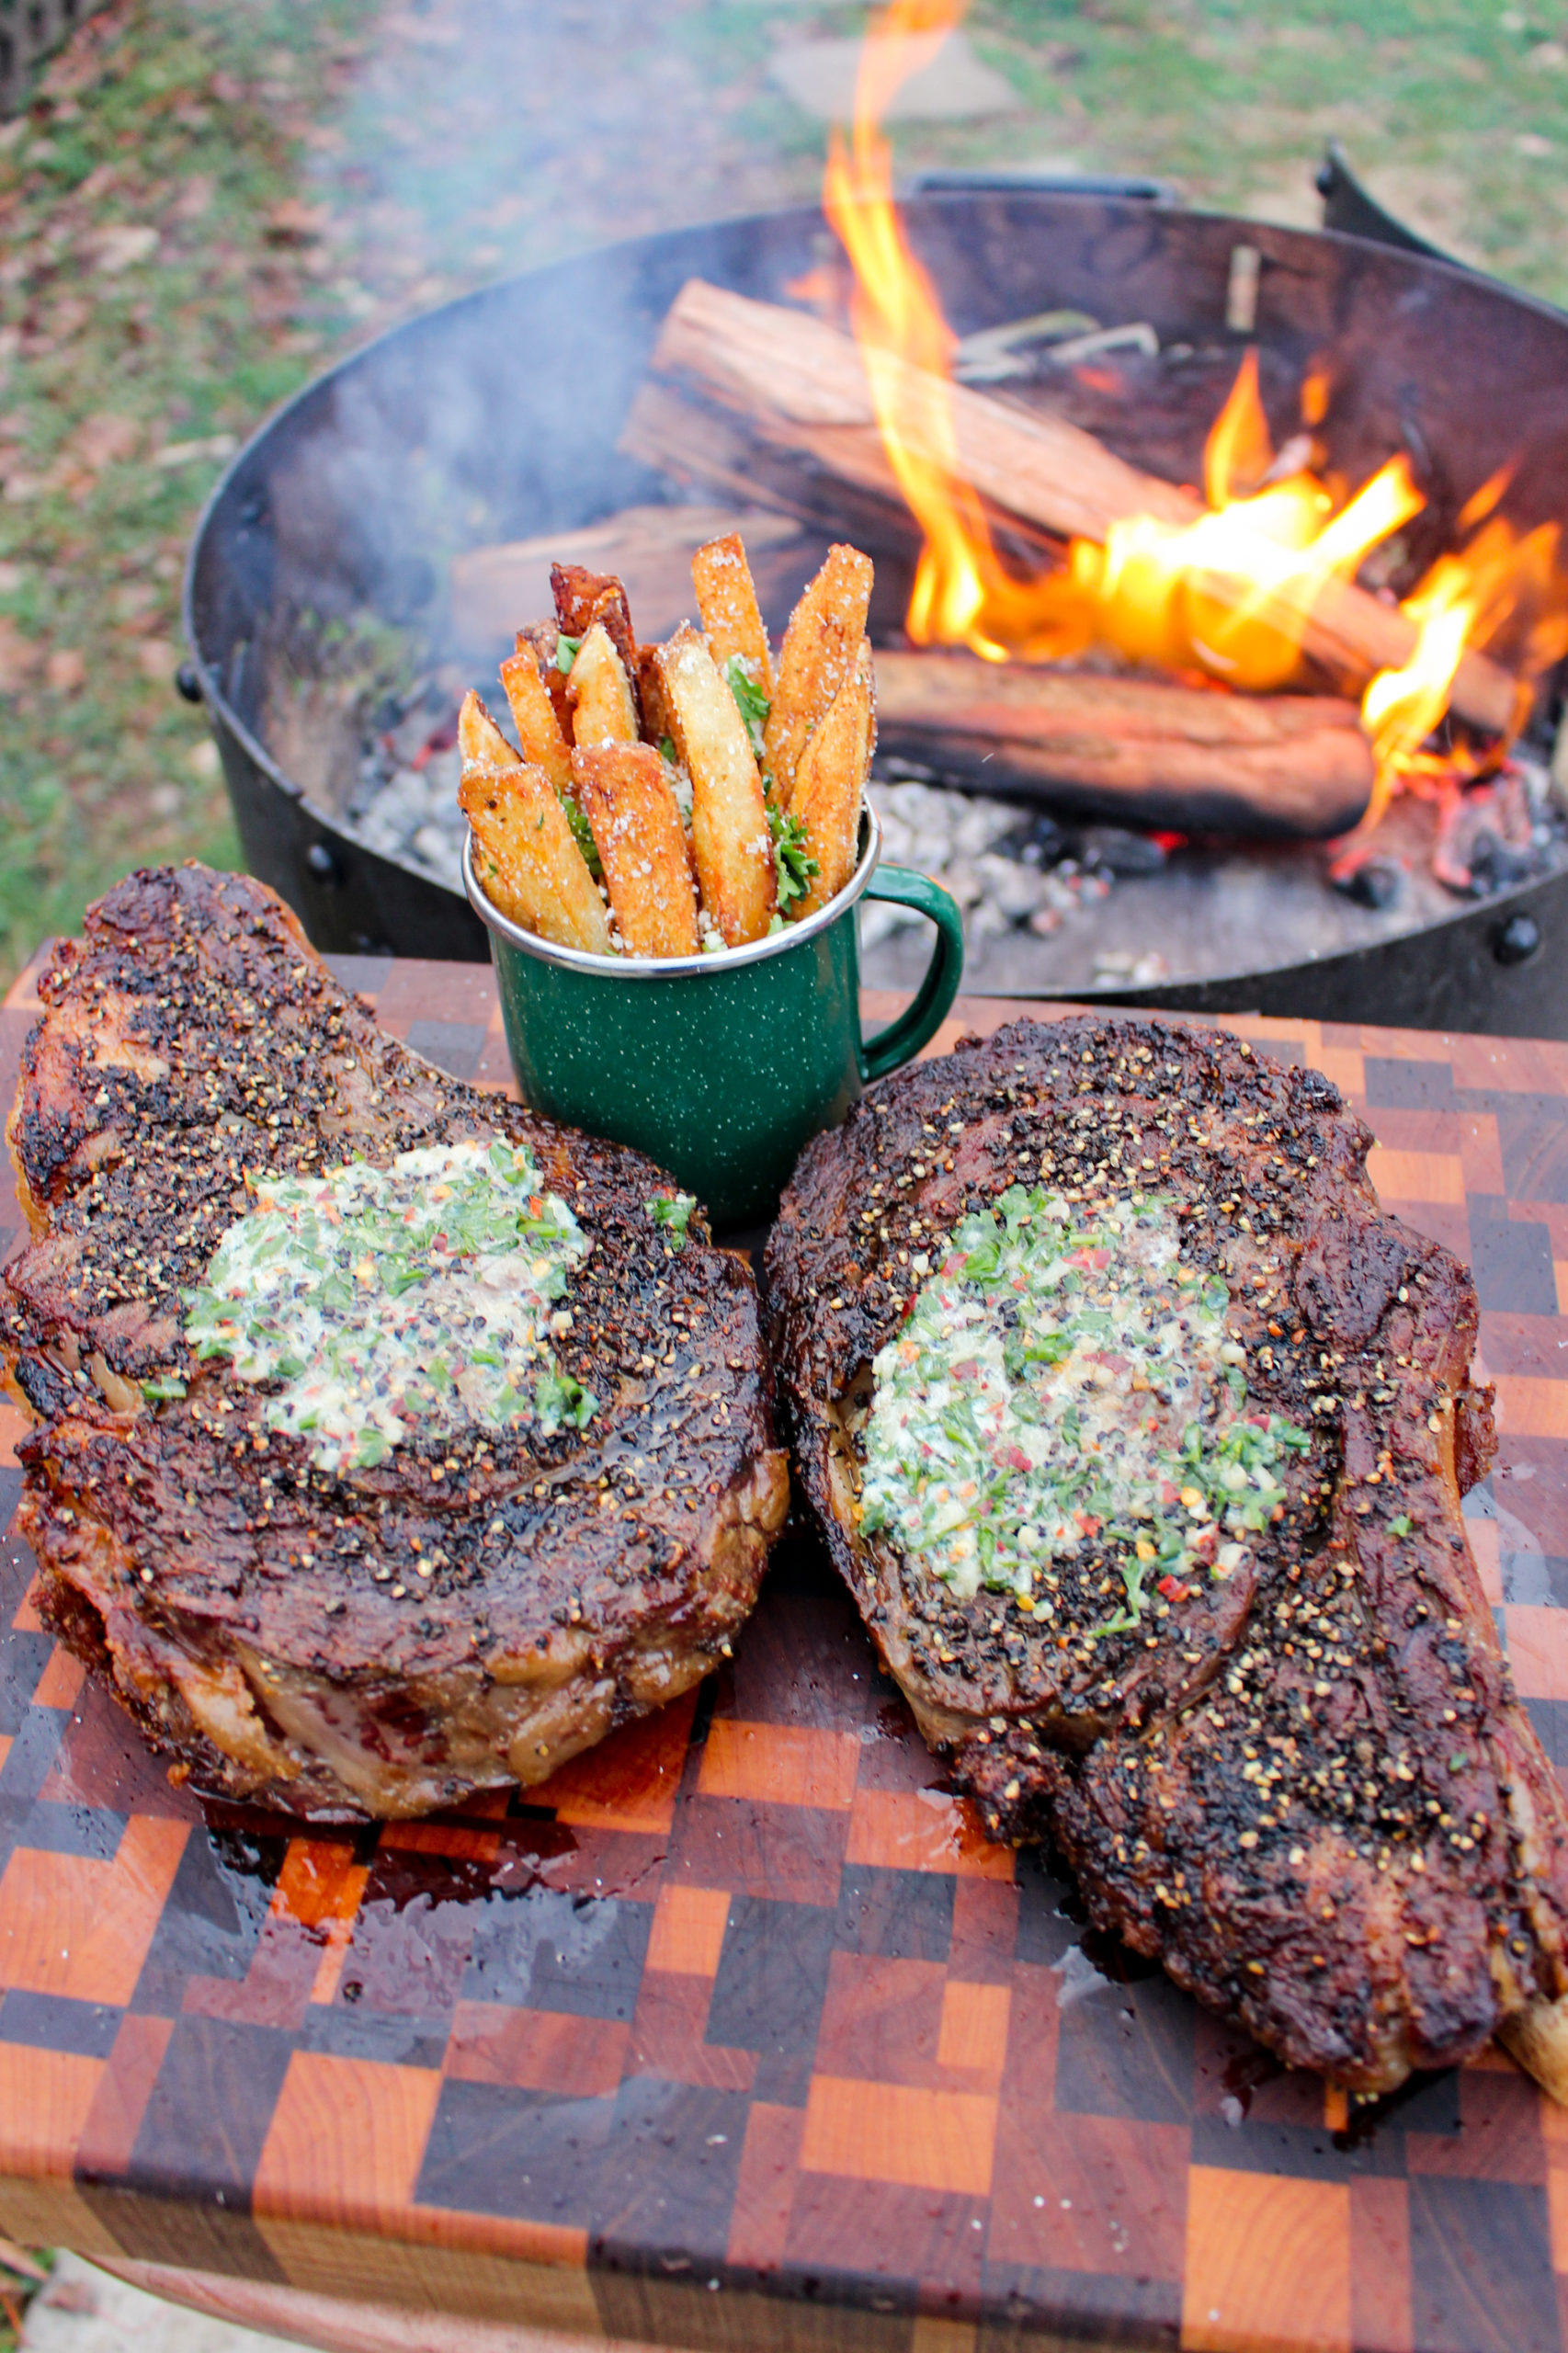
(211, 199)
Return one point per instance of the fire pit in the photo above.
(338, 586)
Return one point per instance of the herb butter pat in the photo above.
(397, 1303)
(1063, 1386)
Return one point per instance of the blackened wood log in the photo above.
(1138, 751)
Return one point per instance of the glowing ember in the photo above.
(1231, 596)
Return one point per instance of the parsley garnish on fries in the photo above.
(582, 835)
(792, 859)
(751, 703)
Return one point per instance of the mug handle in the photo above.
(902, 1038)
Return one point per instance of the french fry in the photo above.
(625, 794)
(731, 618)
(533, 714)
(527, 859)
(480, 741)
(730, 839)
(545, 639)
(602, 709)
(583, 597)
(650, 694)
(818, 654)
(830, 783)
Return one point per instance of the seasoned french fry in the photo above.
(545, 639)
(650, 694)
(583, 597)
(527, 859)
(830, 783)
(602, 710)
(533, 713)
(480, 741)
(625, 794)
(731, 618)
(730, 839)
(821, 647)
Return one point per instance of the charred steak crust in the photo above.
(481, 1606)
(1309, 1791)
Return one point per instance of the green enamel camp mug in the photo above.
(720, 1067)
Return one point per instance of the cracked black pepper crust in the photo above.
(1308, 1789)
(483, 1603)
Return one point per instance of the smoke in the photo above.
(484, 136)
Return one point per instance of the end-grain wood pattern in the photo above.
(738, 2033)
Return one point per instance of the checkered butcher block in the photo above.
(738, 2034)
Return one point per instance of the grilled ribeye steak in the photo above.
(471, 1604)
(1254, 1692)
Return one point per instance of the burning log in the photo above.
(1195, 757)
(800, 385)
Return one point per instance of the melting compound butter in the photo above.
(1063, 1386)
(399, 1303)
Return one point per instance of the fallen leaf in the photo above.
(193, 200)
(65, 670)
(121, 245)
(295, 222)
(204, 758)
(156, 658)
(187, 453)
(19, 657)
(68, 317)
(132, 601)
(105, 440)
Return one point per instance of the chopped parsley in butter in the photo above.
(1063, 1386)
(399, 1302)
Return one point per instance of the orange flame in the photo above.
(1228, 595)
(963, 594)
(1497, 591)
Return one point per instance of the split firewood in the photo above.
(694, 441)
(649, 548)
(801, 385)
(1197, 757)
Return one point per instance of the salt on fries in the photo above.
(665, 799)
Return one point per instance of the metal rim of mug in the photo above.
(678, 968)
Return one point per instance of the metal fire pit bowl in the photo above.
(497, 418)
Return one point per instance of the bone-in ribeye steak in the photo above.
(485, 1599)
(1305, 1785)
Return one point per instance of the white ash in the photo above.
(410, 811)
(1003, 864)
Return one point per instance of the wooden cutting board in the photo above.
(738, 2034)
